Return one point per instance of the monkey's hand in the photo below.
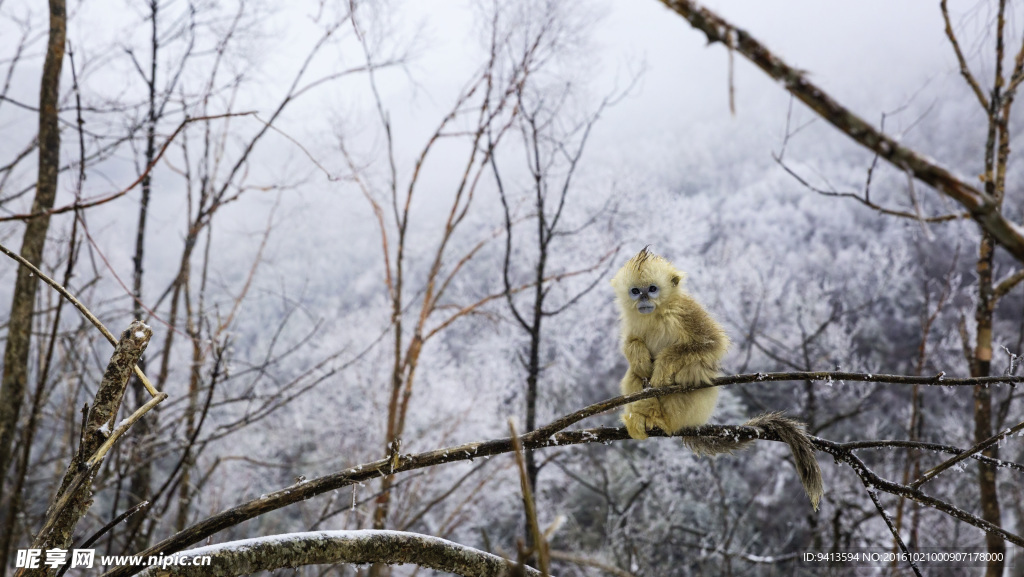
(639, 357)
(641, 416)
(660, 376)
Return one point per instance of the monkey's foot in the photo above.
(641, 416)
(636, 425)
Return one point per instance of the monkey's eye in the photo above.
(635, 291)
(652, 289)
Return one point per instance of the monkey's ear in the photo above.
(675, 280)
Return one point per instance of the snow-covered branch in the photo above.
(319, 547)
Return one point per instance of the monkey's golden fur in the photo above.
(678, 343)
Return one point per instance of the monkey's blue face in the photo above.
(644, 297)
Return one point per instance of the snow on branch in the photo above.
(320, 547)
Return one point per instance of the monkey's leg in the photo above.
(691, 409)
(640, 415)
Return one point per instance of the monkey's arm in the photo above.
(638, 375)
(686, 364)
(639, 357)
(695, 356)
(639, 415)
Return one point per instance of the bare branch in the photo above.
(862, 471)
(539, 542)
(935, 447)
(945, 465)
(1006, 285)
(355, 547)
(964, 69)
(74, 498)
(878, 483)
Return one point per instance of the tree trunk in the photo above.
(532, 378)
(983, 407)
(19, 328)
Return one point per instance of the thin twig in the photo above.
(539, 544)
(929, 475)
(866, 199)
(860, 468)
(106, 528)
(90, 466)
(964, 69)
(934, 447)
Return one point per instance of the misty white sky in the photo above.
(867, 54)
(874, 56)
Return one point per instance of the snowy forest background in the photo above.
(342, 241)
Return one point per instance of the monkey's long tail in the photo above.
(790, 431)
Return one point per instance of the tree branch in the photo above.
(1006, 285)
(878, 483)
(964, 69)
(979, 447)
(356, 547)
(74, 498)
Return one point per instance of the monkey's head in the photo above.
(645, 282)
